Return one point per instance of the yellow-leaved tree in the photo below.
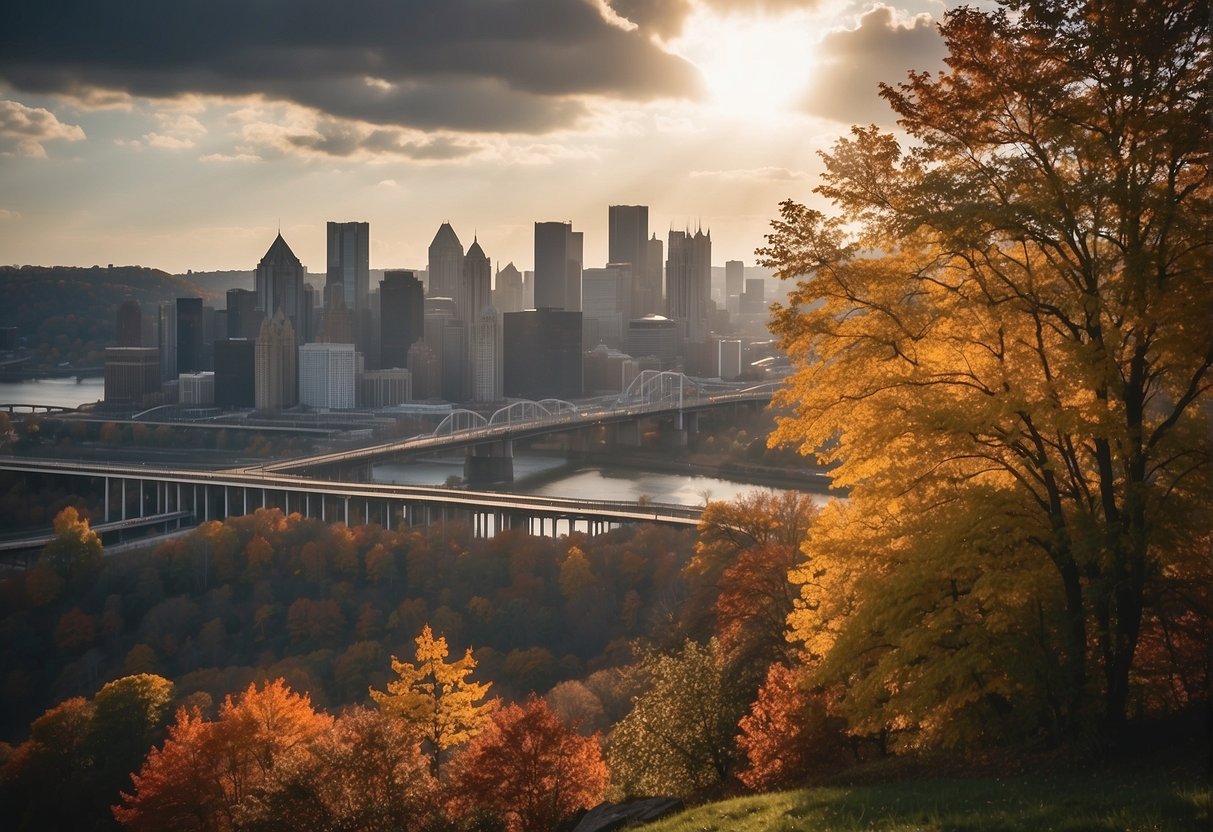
(1003, 340)
(436, 697)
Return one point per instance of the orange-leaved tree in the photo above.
(1001, 337)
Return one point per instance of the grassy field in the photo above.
(1141, 796)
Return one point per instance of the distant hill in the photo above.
(220, 282)
(65, 313)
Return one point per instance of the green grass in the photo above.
(1140, 797)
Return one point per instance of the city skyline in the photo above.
(162, 138)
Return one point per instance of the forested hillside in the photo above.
(66, 314)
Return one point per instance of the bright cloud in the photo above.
(23, 130)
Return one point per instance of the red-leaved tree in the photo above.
(530, 768)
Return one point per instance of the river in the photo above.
(552, 476)
(534, 473)
(61, 392)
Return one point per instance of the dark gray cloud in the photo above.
(487, 65)
(855, 61)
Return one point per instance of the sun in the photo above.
(754, 68)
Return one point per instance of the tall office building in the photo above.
(734, 281)
(474, 289)
(426, 372)
(166, 315)
(628, 234)
(486, 357)
(655, 336)
(128, 324)
(606, 304)
(650, 288)
(243, 317)
(349, 262)
(508, 291)
(401, 316)
(541, 351)
(473, 293)
(558, 261)
(191, 346)
(753, 299)
(689, 282)
(328, 376)
(339, 322)
(446, 263)
(236, 373)
(276, 371)
(278, 282)
(629, 243)
(131, 374)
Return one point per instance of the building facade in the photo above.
(445, 263)
(236, 373)
(689, 282)
(401, 317)
(558, 263)
(132, 374)
(541, 350)
(486, 350)
(276, 371)
(349, 262)
(328, 376)
(278, 282)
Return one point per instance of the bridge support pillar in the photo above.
(489, 464)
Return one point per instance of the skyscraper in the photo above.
(401, 316)
(649, 285)
(236, 373)
(128, 325)
(734, 279)
(558, 260)
(279, 283)
(276, 371)
(166, 315)
(628, 234)
(243, 319)
(190, 341)
(446, 262)
(508, 291)
(349, 262)
(327, 375)
(473, 293)
(486, 357)
(606, 304)
(541, 351)
(473, 290)
(689, 282)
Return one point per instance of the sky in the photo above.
(185, 134)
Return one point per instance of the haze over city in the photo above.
(184, 137)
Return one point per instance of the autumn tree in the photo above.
(679, 736)
(436, 697)
(129, 717)
(789, 735)
(54, 761)
(224, 774)
(72, 558)
(1001, 340)
(738, 576)
(529, 767)
(366, 773)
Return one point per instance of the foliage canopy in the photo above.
(1002, 340)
